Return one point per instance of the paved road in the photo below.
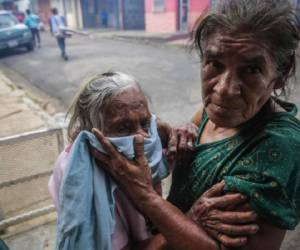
(169, 75)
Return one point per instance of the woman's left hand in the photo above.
(214, 211)
(180, 149)
(134, 176)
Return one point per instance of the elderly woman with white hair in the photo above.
(93, 211)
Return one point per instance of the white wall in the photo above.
(23, 5)
(71, 9)
(59, 5)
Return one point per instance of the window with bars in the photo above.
(158, 5)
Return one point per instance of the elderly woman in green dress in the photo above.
(247, 138)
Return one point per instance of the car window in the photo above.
(7, 20)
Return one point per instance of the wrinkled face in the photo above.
(127, 113)
(238, 76)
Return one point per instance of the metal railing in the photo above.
(26, 163)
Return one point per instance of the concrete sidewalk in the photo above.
(19, 110)
(175, 38)
(22, 112)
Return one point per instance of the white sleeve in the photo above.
(56, 177)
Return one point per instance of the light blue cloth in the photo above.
(32, 21)
(86, 219)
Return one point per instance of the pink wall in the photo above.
(171, 6)
(166, 21)
(148, 4)
(161, 22)
(198, 5)
(196, 8)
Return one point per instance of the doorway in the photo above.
(133, 15)
(183, 8)
(89, 13)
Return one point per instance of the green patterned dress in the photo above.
(262, 162)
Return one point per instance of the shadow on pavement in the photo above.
(13, 52)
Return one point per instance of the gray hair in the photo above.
(272, 22)
(86, 109)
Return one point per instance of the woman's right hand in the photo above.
(216, 213)
(133, 175)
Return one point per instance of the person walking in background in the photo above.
(104, 18)
(57, 24)
(33, 22)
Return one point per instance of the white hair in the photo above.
(86, 110)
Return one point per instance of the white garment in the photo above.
(130, 224)
(57, 24)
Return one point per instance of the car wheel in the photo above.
(30, 46)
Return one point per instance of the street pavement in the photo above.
(168, 74)
(35, 87)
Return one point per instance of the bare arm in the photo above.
(265, 236)
(268, 237)
(178, 230)
(157, 242)
(164, 131)
(134, 177)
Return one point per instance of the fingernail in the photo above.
(139, 138)
(243, 197)
(244, 241)
(255, 229)
(94, 130)
(254, 215)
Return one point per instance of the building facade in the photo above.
(168, 16)
(7, 5)
(70, 9)
(42, 8)
(100, 13)
(116, 14)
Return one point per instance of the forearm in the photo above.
(134, 177)
(179, 231)
(268, 237)
(164, 131)
(157, 242)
